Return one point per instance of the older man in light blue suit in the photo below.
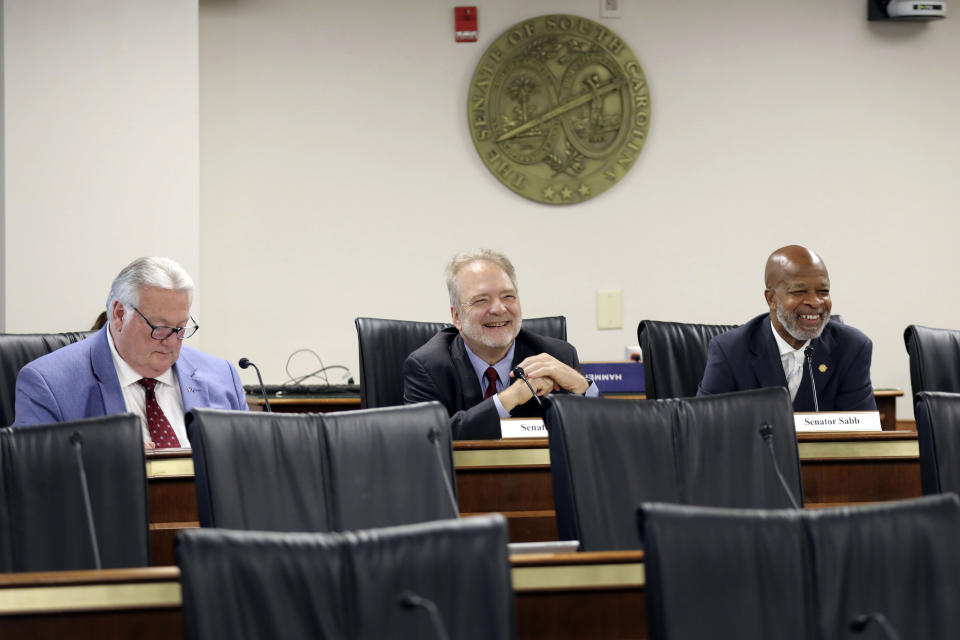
(136, 363)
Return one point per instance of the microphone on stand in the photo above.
(808, 354)
(766, 432)
(77, 443)
(434, 437)
(518, 371)
(860, 622)
(410, 600)
(244, 363)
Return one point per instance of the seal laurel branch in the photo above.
(559, 109)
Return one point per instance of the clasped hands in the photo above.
(546, 374)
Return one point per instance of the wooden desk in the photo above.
(513, 477)
(886, 404)
(589, 595)
(304, 404)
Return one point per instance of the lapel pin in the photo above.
(822, 368)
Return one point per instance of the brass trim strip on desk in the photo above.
(170, 468)
(161, 594)
(863, 449)
(466, 459)
(588, 576)
(480, 458)
(90, 597)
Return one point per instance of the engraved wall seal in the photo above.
(559, 108)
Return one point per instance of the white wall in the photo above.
(101, 150)
(338, 174)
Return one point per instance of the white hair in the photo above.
(461, 260)
(153, 271)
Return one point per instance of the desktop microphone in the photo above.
(808, 354)
(433, 435)
(77, 443)
(518, 371)
(860, 622)
(766, 432)
(409, 600)
(244, 363)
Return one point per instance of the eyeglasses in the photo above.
(162, 333)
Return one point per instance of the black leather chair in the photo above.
(16, 350)
(795, 574)
(938, 434)
(43, 520)
(385, 344)
(322, 472)
(675, 356)
(934, 358)
(607, 457)
(725, 573)
(239, 584)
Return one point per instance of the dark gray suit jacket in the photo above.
(441, 370)
(748, 358)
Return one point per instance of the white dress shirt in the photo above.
(792, 361)
(135, 396)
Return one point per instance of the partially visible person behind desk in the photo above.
(468, 367)
(136, 363)
(771, 350)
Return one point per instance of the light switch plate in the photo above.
(610, 309)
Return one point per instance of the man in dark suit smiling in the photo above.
(468, 367)
(773, 348)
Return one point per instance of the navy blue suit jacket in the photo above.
(748, 358)
(79, 381)
(441, 370)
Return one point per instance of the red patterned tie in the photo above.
(157, 424)
(491, 375)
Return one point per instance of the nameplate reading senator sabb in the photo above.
(559, 108)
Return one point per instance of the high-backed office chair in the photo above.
(385, 344)
(322, 472)
(934, 358)
(607, 457)
(718, 572)
(16, 350)
(313, 586)
(938, 434)
(799, 574)
(43, 518)
(675, 356)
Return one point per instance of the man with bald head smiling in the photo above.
(771, 350)
(468, 367)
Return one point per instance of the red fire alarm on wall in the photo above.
(465, 24)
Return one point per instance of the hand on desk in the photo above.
(518, 393)
(561, 376)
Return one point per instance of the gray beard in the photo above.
(789, 322)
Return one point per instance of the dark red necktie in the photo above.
(157, 424)
(491, 375)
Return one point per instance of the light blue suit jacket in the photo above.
(79, 381)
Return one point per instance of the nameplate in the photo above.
(615, 377)
(838, 421)
(523, 428)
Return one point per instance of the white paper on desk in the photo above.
(837, 421)
(523, 428)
